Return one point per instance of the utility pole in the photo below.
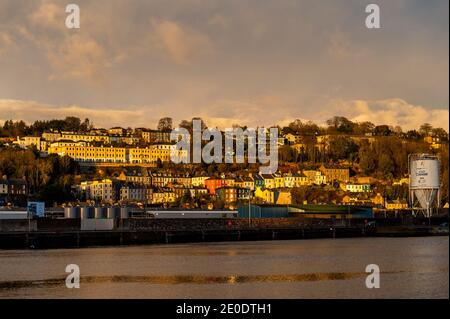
(249, 210)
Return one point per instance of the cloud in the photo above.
(219, 21)
(89, 53)
(181, 44)
(391, 112)
(261, 111)
(30, 111)
(254, 62)
(80, 57)
(48, 15)
(70, 53)
(6, 41)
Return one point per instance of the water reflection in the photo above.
(189, 279)
(324, 268)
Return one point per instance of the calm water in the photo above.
(322, 268)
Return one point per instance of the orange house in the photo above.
(214, 183)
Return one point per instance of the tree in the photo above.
(72, 123)
(342, 147)
(286, 154)
(440, 132)
(425, 129)
(300, 128)
(364, 127)
(382, 130)
(386, 165)
(413, 135)
(86, 126)
(189, 124)
(14, 129)
(165, 124)
(295, 126)
(398, 130)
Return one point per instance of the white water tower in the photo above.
(424, 182)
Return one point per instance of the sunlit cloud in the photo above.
(259, 112)
(390, 112)
(179, 43)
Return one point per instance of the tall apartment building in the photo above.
(155, 136)
(315, 177)
(28, 141)
(133, 192)
(143, 177)
(335, 173)
(105, 190)
(86, 137)
(51, 136)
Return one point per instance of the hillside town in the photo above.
(67, 162)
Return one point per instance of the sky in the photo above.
(247, 62)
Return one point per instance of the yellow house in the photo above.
(249, 183)
(295, 180)
(85, 137)
(301, 180)
(269, 180)
(283, 197)
(91, 153)
(355, 188)
(402, 181)
(28, 141)
(103, 190)
(274, 196)
(163, 195)
(115, 154)
(378, 200)
(349, 199)
(315, 177)
(279, 181)
(396, 204)
(289, 180)
(51, 136)
(365, 180)
(335, 173)
(265, 194)
(292, 138)
(199, 181)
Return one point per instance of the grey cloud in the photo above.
(199, 57)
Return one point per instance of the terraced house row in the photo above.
(249, 181)
(103, 154)
(113, 191)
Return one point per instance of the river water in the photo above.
(319, 268)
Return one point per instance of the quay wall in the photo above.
(74, 233)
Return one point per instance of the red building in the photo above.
(214, 183)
